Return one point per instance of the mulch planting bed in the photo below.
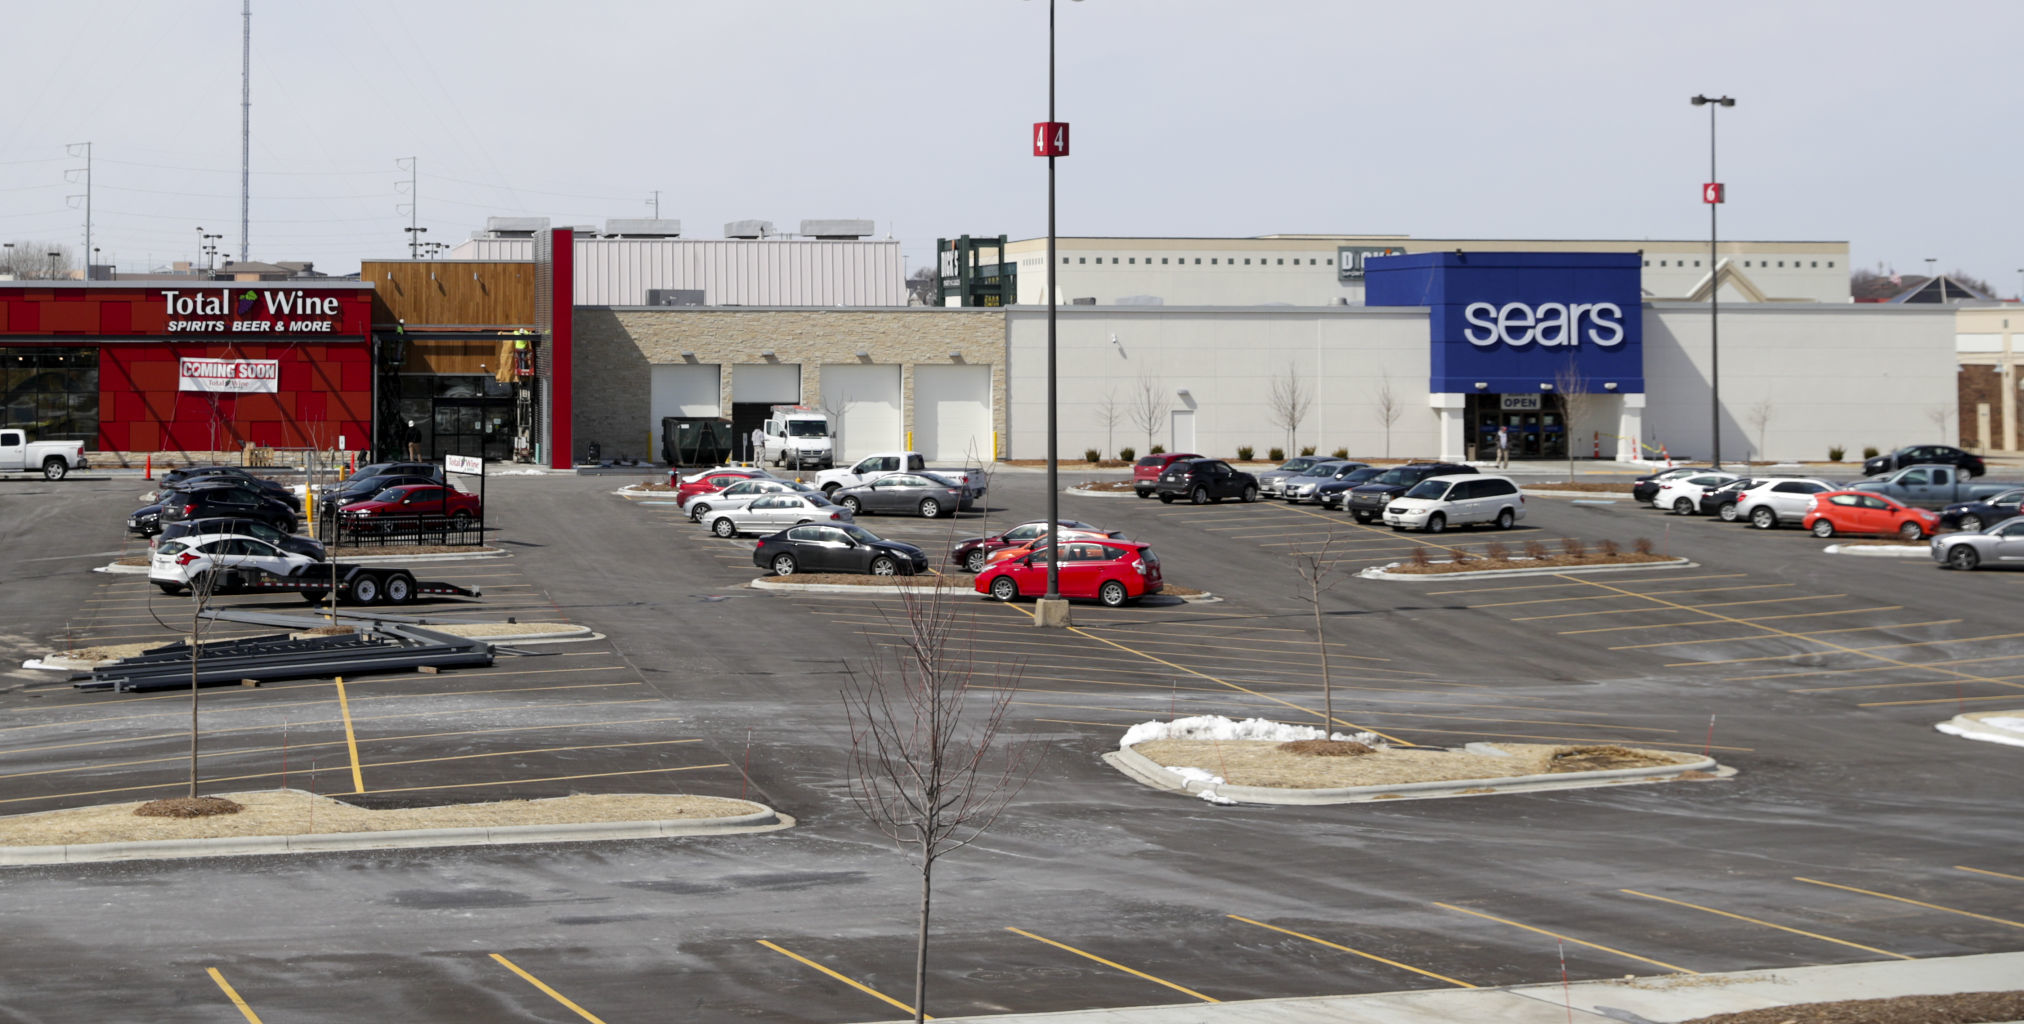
(1124, 486)
(1961, 1008)
(1549, 562)
(1267, 763)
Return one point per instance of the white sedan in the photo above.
(739, 495)
(1683, 494)
(770, 513)
(188, 562)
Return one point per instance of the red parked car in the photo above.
(709, 481)
(412, 505)
(1146, 471)
(973, 553)
(1835, 512)
(1112, 571)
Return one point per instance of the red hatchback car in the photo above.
(1146, 471)
(709, 481)
(1112, 571)
(1835, 512)
(412, 505)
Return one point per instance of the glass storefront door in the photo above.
(444, 414)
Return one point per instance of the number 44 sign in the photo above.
(1050, 138)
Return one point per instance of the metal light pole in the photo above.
(1712, 194)
(1050, 139)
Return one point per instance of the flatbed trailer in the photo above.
(356, 584)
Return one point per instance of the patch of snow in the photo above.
(1208, 781)
(1216, 727)
(1987, 735)
(2005, 722)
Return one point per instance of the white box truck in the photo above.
(797, 436)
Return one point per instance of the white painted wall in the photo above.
(952, 412)
(869, 395)
(682, 389)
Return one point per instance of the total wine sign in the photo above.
(262, 311)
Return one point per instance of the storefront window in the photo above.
(51, 392)
(457, 414)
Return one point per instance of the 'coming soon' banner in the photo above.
(233, 376)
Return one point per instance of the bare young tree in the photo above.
(1107, 413)
(1317, 571)
(930, 764)
(1940, 415)
(1760, 418)
(835, 406)
(1148, 406)
(1292, 395)
(1576, 400)
(1388, 409)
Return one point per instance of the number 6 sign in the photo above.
(1712, 192)
(1050, 138)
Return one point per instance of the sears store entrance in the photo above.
(1534, 423)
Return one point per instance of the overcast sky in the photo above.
(1866, 122)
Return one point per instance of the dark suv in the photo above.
(1205, 480)
(197, 476)
(1146, 473)
(227, 501)
(1334, 492)
(1366, 501)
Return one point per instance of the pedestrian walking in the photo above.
(758, 442)
(1503, 447)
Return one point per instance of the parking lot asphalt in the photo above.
(1854, 832)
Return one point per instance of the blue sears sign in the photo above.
(1515, 320)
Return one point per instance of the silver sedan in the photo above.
(2001, 544)
(925, 494)
(770, 513)
(739, 495)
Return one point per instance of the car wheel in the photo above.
(460, 520)
(1763, 518)
(1437, 523)
(1971, 523)
(784, 565)
(853, 505)
(1911, 531)
(1004, 588)
(1727, 511)
(1683, 507)
(286, 526)
(1166, 499)
(976, 560)
(169, 588)
(884, 566)
(724, 527)
(400, 588)
(54, 468)
(1200, 496)
(1823, 528)
(1963, 557)
(931, 509)
(1145, 494)
(1113, 594)
(697, 513)
(1250, 494)
(365, 589)
(830, 488)
(1506, 519)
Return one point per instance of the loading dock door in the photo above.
(680, 389)
(755, 389)
(868, 396)
(952, 412)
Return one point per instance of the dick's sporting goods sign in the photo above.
(230, 376)
(1510, 322)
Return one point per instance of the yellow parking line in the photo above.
(866, 989)
(251, 1017)
(1565, 938)
(350, 740)
(1810, 632)
(1114, 964)
(1982, 871)
(1357, 952)
(1767, 924)
(2011, 697)
(1913, 902)
(551, 993)
(1860, 650)
(1736, 620)
(1672, 605)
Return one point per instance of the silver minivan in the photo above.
(1438, 502)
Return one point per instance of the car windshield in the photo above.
(1320, 469)
(859, 534)
(1400, 475)
(1295, 465)
(1428, 489)
(807, 428)
(1361, 474)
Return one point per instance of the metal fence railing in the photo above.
(400, 531)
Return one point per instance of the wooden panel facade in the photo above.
(451, 293)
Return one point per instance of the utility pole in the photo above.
(1714, 194)
(245, 126)
(409, 164)
(73, 150)
(655, 202)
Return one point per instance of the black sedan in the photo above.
(838, 547)
(1205, 480)
(1973, 515)
(1925, 455)
(973, 553)
(1643, 489)
(924, 494)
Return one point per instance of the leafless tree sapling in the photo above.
(930, 764)
(1576, 402)
(1292, 395)
(1318, 575)
(1388, 409)
(1107, 413)
(1148, 406)
(1760, 419)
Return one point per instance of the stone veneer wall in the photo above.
(615, 348)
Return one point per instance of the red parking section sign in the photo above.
(1712, 192)
(1050, 138)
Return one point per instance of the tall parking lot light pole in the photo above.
(1712, 194)
(1050, 139)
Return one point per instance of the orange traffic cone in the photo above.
(149, 473)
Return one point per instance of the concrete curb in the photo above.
(1379, 573)
(844, 588)
(121, 570)
(1145, 770)
(1878, 550)
(1972, 728)
(1080, 493)
(764, 820)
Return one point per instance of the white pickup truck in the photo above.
(871, 467)
(52, 459)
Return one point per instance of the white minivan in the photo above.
(1438, 502)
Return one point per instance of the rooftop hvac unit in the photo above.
(675, 297)
(836, 230)
(749, 229)
(642, 227)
